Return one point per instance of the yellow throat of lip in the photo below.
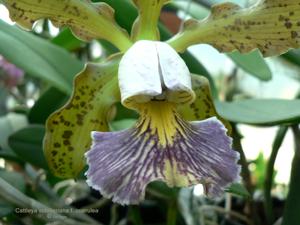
(160, 118)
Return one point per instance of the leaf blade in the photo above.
(252, 63)
(264, 112)
(15, 45)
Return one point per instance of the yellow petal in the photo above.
(68, 130)
(86, 19)
(272, 26)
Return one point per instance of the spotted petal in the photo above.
(163, 147)
(272, 26)
(68, 130)
(86, 19)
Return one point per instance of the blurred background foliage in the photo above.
(258, 96)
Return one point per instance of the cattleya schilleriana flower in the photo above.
(148, 76)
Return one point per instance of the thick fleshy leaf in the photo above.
(68, 129)
(27, 143)
(261, 111)
(145, 26)
(293, 56)
(51, 100)
(161, 146)
(238, 189)
(252, 63)
(67, 40)
(43, 59)
(86, 19)
(9, 124)
(272, 26)
(203, 107)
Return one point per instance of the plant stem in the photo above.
(246, 175)
(172, 213)
(270, 173)
(17, 198)
(225, 212)
(57, 202)
(145, 27)
(243, 161)
(292, 205)
(113, 215)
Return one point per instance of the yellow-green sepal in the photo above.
(87, 20)
(68, 130)
(203, 107)
(272, 26)
(145, 26)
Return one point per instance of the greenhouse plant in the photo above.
(150, 112)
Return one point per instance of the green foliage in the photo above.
(291, 213)
(253, 63)
(48, 102)
(238, 189)
(51, 64)
(27, 144)
(264, 112)
(57, 67)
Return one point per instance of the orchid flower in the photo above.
(161, 145)
(179, 138)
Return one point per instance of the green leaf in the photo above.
(5, 208)
(238, 189)
(160, 189)
(66, 40)
(87, 20)
(14, 178)
(292, 204)
(252, 63)
(126, 16)
(293, 56)
(271, 26)
(122, 124)
(260, 111)
(38, 57)
(68, 130)
(134, 215)
(27, 143)
(50, 100)
(8, 125)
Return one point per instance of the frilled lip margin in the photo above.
(161, 146)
